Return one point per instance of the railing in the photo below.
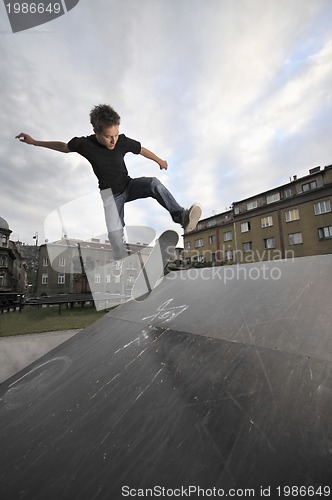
(10, 301)
(68, 300)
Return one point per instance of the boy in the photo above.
(105, 150)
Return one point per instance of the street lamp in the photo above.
(35, 237)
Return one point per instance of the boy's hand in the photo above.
(163, 165)
(25, 138)
(55, 145)
(151, 156)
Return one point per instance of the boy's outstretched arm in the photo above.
(151, 156)
(55, 145)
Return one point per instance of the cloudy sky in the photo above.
(235, 94)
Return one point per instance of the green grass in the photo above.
(47, 319)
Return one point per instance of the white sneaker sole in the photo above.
(195, 213)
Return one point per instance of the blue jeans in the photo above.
(142, 187)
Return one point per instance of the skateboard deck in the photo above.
(152, 271)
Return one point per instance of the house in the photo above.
(12, 264)
(289, 221)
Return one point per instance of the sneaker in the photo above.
(191, 217)
(116, 268)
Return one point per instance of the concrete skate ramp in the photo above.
(218, 380)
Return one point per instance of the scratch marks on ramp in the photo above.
(165, 313)
(35, 381)
(148, 385)
(250, 419)
(137, 340)
(266, 375)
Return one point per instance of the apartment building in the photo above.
(289, 221)
(73, 266)
(12, 264)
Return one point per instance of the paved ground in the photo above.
(19, 351)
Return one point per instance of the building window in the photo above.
(252, 205)
(292, 215)
(325, 233)
(295, 239)
(4, 240)
(267, 221)
(200, 225)
(272, 198)
(229, 255)
(44, 279)
(269, 243)
(199, 243)
(107, 278)
(309, 186)
(45, 262)
(61, 279)
(211, 223)
(62, 262)
(247, 246)
(228, 236)
(97, 278)
(322, 207)
(187, 245)
(212, 239)
(3, 261)
(245, 227)
(130, 280)
(288, 193)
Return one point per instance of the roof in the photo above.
(3, 224)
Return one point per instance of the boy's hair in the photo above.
(102, 116)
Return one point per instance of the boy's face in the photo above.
(108, 137)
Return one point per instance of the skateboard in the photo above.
(152, 271)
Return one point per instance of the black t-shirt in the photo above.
(107, 164)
